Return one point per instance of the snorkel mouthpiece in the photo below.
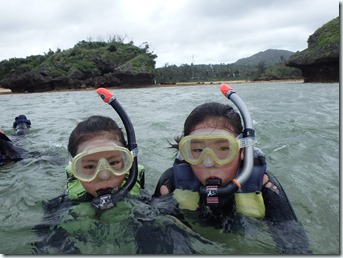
(214, 193)
(249, 139)
(103, 201)
(117, 195)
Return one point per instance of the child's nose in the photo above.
(104, 174)
(208, 161)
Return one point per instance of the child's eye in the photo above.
(113, 163)
(89, 167)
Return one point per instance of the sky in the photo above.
(177, 31)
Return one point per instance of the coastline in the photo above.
(5, 91)
(8, 91)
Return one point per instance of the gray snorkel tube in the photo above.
(214, 194)
(107, 199)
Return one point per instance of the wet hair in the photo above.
(21, 119)
(223, 116)
(92, 127)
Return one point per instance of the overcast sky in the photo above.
(177, 31)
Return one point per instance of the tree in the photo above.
(260, 68)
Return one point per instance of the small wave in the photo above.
(280, 148)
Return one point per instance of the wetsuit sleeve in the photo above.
(278, 207)
(167, 179)
(4, 137)
(287, 232)
(52, 238)
(9, 152)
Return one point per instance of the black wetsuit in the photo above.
(136, 226)
(8, 151)
(287, 232)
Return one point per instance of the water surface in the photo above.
(297, 126)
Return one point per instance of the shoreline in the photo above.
(8, 91)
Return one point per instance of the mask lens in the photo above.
(221, 148)
(88, 164)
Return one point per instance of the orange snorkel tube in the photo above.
(214, 193)
(111, 199)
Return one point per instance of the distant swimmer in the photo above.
(21, 125)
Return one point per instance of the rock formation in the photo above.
(320, 61)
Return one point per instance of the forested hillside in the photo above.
(269, 57)
(267, 65)
(87, 64)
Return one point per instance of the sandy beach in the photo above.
(5, 91)
(8, 91)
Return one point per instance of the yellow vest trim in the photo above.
(247, 204)
(187, 199)
(250, 204)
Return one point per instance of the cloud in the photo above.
(179, 31)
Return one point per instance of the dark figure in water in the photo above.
(21, 125)
(8, 151)
(11, 152)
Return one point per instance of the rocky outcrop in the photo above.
(87, 65)
(33, 81)
(320, 61)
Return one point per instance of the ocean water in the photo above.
(297, 127)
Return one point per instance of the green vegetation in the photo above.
(320, 61)
(86, 59)
(224, 72)
(328, 33)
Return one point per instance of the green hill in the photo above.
(88, 64)
(269, 57)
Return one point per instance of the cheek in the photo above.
(228, 172)
(200, 172)
(90, 187)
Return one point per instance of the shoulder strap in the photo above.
(254, 183)
(184, 177)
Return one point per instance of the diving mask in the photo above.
(222, 148)
(90, 163)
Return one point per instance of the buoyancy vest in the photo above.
(75, 190)
(248, 199)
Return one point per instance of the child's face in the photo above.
(100, 182)
(210, 169)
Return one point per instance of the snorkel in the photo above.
(213, 193)
(109, 197)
